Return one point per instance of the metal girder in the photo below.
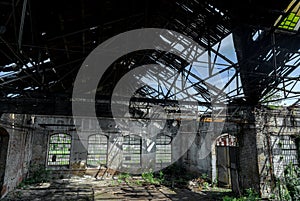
(66, 34)
(263, 63)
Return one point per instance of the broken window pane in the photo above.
(59, 149)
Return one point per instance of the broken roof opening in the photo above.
(291, 22)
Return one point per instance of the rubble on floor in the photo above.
(88, 188)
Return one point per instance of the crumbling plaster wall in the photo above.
(201, 156)
(19, 150)
(276, 134)
(260, 157)
(198, 158)
(49, 125)
(258, 131)
(80, 128)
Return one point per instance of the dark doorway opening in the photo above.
(226, 149)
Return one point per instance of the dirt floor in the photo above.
(88, 188)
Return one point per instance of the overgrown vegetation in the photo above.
(287, 188)
(123, 176)
(250, 195)
(176, 176)
(172, 176)
(201, 183)
(37, 174)
(150, 178)
(292, 181)
(147, 178)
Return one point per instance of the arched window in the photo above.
(97, 150)
(163, 149)
(132, 150)
(226, 140)
(59, 149)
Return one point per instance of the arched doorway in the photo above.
(223, 157)
(4, 139)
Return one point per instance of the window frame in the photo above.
(49, 149)
(139, 138)
(163, 153)
(106, 151)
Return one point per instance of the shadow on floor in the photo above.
(90, 189)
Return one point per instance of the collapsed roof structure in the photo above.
(253, 46)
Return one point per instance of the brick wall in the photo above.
(266, 146)
(277, 130)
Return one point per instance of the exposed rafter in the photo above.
(43, 45)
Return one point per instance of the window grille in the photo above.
(97, 150)
(59, 149)
(288, 150)
(163, 149)
(131, 150)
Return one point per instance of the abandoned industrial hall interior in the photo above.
(150, 100)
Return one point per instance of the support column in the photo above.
(248, 174)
